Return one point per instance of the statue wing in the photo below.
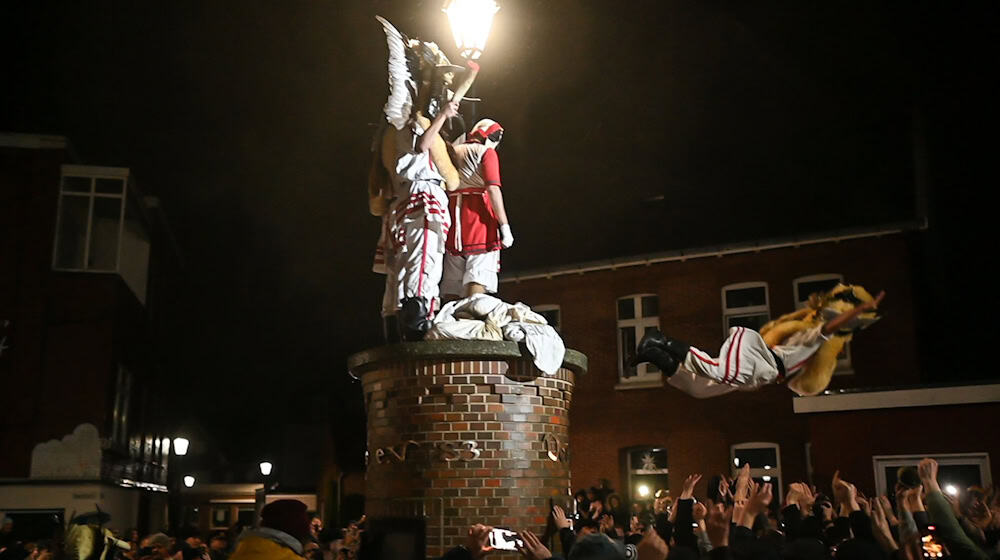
(402, 87)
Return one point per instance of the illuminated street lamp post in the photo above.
(180, 448)
(470, 24)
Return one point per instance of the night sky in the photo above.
(630, 127)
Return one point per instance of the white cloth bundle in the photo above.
(484, 317)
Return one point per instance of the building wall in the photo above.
(698, 433)
(838, 437)
(75, 498)
(68, 333)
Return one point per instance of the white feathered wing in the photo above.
(401, 84)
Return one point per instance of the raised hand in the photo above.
(531, 547)
(928, 471)
(742, 483)
(689, 483)
(880, 526)
(478, 540)
(717, 526)
(886, 507)
(559, 517)
(698, 512)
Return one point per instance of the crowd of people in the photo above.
(285, 531)
(740, 519)
(737, 519)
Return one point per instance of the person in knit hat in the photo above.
(284, 524)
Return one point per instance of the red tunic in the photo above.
(475, 227)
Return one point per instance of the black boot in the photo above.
(659, 358)
(655, 339)
(412, 318)
(390, 330)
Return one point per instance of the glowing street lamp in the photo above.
(470, 24)
(189, 481)
(181, 446)
(265, 468)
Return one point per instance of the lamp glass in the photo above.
(181, 446)
(189, 481)
(470, 24)
(265, 468)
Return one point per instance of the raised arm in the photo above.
(427, 138)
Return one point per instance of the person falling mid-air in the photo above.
(799, 348)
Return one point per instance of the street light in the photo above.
(470, 24)
(181, 446)
(265, 468)
(189, 481)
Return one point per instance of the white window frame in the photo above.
(550, 307)
(759, 472)
(728, 312)
(643, 377)
(93, 173)
(843, 364)
(635, 472)
(882, 462)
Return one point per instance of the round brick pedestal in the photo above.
(465, 432)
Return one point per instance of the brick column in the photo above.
(464, 432)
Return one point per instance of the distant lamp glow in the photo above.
(470, 24)
(643, 490)
(767, 467)
(767, 478)
(189, 481)
(951, 489)
(265, 468)
(181, 446)
(736, 461)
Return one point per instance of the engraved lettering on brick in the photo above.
(554, 449)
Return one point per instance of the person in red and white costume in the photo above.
(479, 221)
(418, 226)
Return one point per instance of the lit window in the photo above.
(552, 315)
(745, 305)
(647, 472)
(958, 470)
(818, 284)
(99, 225)
(637, 315)
(765, 462)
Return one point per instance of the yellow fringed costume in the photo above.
(818, 370)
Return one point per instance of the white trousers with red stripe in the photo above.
(419, 261)
(744, 362)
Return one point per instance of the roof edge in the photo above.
(757, 246)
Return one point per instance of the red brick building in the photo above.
(631, 428)
(81, 252)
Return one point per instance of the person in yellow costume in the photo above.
(799, 349)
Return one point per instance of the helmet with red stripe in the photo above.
(488, 132)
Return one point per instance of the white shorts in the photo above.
(461, 270)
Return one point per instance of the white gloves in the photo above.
(506, 236)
